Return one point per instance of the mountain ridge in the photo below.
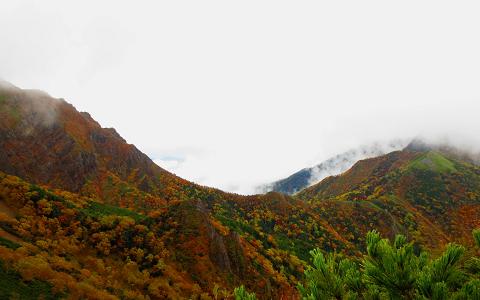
(94, 217)
(332, 166)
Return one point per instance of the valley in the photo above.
(85, 215)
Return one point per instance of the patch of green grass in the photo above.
(433, 161)
(13, 287)
(8, 243)
(97, 210)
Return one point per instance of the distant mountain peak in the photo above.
(332, 166)
(84, 190)
(449, 149)
(418, 144)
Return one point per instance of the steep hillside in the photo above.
(84, 214)
(45, 141)
(210, 238)
(333, 166)
(427, 194)
(77, 246)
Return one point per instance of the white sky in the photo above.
(235, 93)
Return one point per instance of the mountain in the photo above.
(424, 193)
(85, 215)
(332, 166)
(92, 194)
(46, 140)
(52, 152)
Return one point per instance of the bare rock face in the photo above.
(61, 162)
(72, 147)
(211, 254)
(226, 252)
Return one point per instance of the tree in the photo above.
(331, 278)
(392, 268)
(241, 293)
(393, 271)
(443, 275)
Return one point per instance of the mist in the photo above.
(233, 95)
(37, 107)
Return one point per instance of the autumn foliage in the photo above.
(85, 215)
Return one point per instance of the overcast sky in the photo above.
(234, 93)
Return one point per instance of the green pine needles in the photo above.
(393, 271)
(390, 271)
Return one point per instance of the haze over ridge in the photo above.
(272, 90)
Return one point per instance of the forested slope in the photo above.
(85, 214)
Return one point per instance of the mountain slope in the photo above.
(84, 214)
(333, 166)
(209, 238)
(428, 194)
(45, 141)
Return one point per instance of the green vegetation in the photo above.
(97, 210)
(241, 293)
(156, 236)
(239, 227)
(433, 161)
(12, 287)
(299, 247)
(3, 98)
(331, 277)
(392, 271)
(8, 243)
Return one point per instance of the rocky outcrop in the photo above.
(72, 147)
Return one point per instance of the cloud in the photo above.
(344, 161)
(262, 89)
(36, 108)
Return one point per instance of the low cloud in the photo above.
(344, 161)
(35, 107)
(290, 88)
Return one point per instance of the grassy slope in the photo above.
(433, 161)
(426, 195)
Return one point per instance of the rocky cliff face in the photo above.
(47, 141)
